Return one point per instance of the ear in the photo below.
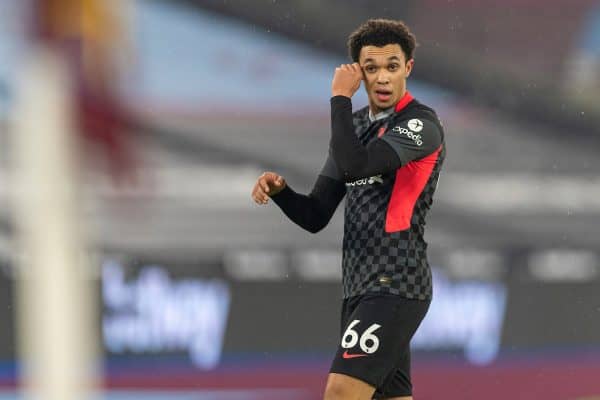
(409, 65)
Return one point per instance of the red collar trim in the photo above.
(407, 98)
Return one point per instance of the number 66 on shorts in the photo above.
(369, 343)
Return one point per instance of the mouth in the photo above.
(383, 95)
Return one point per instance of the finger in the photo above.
(264, 185)
(276, 178)
(261, 197)
(271, 176)
(256, 197)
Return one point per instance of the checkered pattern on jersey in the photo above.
(374, 260)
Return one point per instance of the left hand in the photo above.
(346, 80)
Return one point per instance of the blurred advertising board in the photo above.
(285, 304)
(265, 304)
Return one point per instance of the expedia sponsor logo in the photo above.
(413, 136)
(367, 181)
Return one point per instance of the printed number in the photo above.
(350, 336)
(368, 336)
(369, 343)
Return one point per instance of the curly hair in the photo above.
(380, 32)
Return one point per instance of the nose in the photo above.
(383, 78)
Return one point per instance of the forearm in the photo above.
(348, 153)
(311, 212)
(354, 160)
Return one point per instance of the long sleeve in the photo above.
(354, 160)
(313, 211)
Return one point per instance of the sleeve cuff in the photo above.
(341, 101)
(285, 195)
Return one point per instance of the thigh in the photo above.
(376, 336)
(346, 387)
(398, 383)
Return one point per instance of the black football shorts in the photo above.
(375, 341)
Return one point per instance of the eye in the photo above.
(370, 69)
(393, 67)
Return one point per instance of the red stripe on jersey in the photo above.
(407, 98)
(410, 182)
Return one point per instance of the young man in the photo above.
(386, 159)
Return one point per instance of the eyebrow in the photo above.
(389, 59)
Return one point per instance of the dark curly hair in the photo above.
(380, 32)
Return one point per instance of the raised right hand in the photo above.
(267, 185)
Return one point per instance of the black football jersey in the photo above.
(384, 248)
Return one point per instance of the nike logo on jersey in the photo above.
(349, 356)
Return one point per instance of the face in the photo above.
(385, 70)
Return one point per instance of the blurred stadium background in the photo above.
(203, 295)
